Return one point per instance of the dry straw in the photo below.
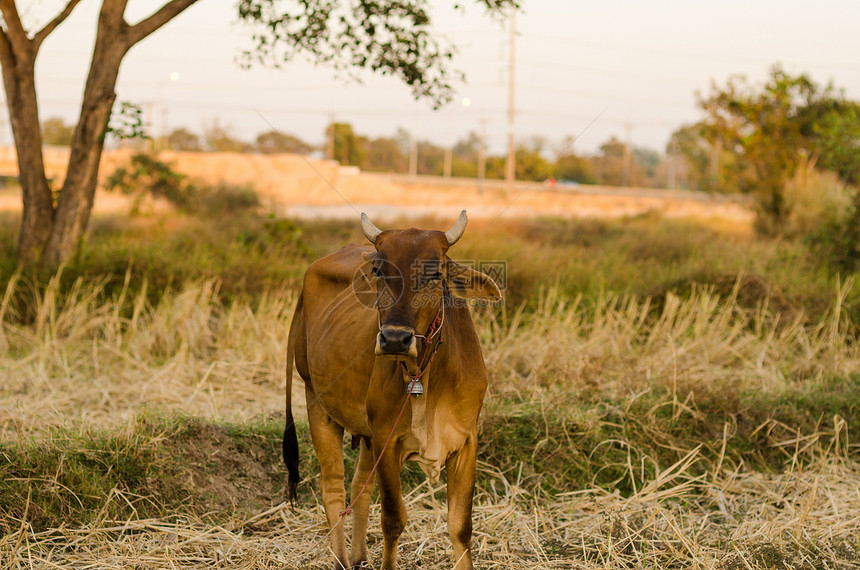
(91, 359)
(803, 518)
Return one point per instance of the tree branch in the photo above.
(50, 26)
(7, 60)
(164, 14)
(14, 28)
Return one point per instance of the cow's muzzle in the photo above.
(394, 341)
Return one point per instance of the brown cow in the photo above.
(359, 356)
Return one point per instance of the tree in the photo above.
(56, 132)
(431, 159)
(609, 164)
(646, 161)
(569, 167)
(48, 229)
(464, 156)
(217, 138)
(386, 37)
(273, 142)
(530, 163)
(183, 139)
(771, 131)
(348, 148)
(385, 154)
(573, 168)
(837, 134)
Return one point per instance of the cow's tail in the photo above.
(291, 442)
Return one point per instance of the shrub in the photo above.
(148, 176)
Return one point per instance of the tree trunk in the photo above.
(19, 80)
(78, 193)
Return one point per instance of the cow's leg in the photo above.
(327, 437)
(360, 509)
(393, 509)
(461, 486)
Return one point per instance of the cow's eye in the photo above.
(375, 271)
(430, 278)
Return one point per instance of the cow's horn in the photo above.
(456, 231)
(371, 232)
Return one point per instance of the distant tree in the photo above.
(348, 147)
(385, 154)
(183, 139)
(218, 139)
(838, 135)
(467, 148)
(56, 132)
(771, 130)
(431, 159)
(273, 142)
(609, 164)
(464, 156)
(708, 165)
(573, 168)
(495, 167)
(836, 131)
(530, 162)
(646, 162)
(696, 152)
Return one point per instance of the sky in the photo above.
(589, 70)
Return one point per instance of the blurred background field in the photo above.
(667, 390)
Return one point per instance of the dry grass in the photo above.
(91, 360)
(86, 359)
(807, 517)
(701, 345)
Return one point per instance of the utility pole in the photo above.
(329, 143)
(673, 162)
(164, 133)
(482, 155)
(628, 155)
(510, 164)
(149, 118)
(413, 155)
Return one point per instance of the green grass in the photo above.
(645, 256)
(155, 466)
(167, 463)
(592, 440)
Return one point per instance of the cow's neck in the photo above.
(419, 386)
(415, 372)
(429, 457)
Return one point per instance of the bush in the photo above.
(837, 240)
(148, 176)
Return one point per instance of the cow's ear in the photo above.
(466, 283)
(369, 256)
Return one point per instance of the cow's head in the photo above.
(414, 278)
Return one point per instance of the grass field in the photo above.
(663, 395)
